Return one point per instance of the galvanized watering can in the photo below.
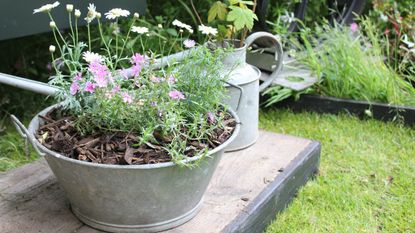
(243, 89)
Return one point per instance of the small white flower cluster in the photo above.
(182, 25)
(139, 30)
(116, 13)
(208, 30)
(91, 56)
(46, 8)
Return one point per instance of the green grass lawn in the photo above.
(366, 181)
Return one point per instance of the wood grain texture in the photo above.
(31, 201)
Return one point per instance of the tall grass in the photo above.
(351, 64)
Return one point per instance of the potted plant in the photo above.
(133, 144)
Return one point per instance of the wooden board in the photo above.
(247, 190)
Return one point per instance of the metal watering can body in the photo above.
(243, 89)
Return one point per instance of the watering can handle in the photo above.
(241, 93)
(278, 55)
(25, 134)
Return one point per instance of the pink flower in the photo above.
(354, 27)
(189, 43)
(136, 70)
(176, 95)
(100, 73)
(89, 87)
(155, 79)
(171, 79)
(77, 77)
(126, 97)
(138, 59)
(116, 89)
(211, 117)
(74, 88)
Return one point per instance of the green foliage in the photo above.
(241, 18)
(351, 65)
(218, 10)
(233, 19)
(396, 20)
(365, 179)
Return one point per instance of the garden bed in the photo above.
(363, 109)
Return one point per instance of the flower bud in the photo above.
(52, 49)
(77, 13)
(136, 15)
(160, 26)
(181, 30)
(98, 15)
(52, 24)
(69, 8)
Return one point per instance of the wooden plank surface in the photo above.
(31, 201)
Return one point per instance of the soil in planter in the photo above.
(58, 134)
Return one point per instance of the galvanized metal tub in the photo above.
(130, 198)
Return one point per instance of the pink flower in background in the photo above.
(101, 81)
(100, 73)
(189, 43)
(126, 97)
(354, 27)
(211, 117)
(155, 79)
(74, 88)
(136, 70)
(89, 87)
(138, 59)
(116, 89)
(171, 79)
(176, 95)
(77, 77)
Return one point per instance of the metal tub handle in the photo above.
(278, 55)
(25, 134)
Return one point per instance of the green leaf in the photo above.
(241, 18)
(236, 2)
(218, 10)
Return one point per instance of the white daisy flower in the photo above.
(139, 30)
(92, 13)
(46, 8)
(91, 56)
(208, 30)
(116, 12)
(182, 25)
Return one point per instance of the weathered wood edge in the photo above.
(278, 194)
(325, 104)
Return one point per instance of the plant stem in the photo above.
(103, 41)
(125, 41)
(197, 14)
(89, 37)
